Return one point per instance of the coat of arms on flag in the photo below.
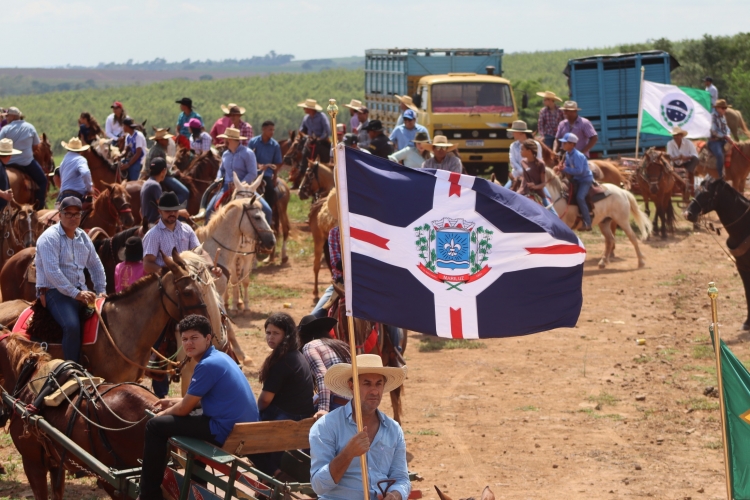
(452, 255)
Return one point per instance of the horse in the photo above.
(736, 172)
(617, 207)
(486, 494)
(20, 183)
(317, 183)
(609, 174)
(107, 423)
(103, 171)
(321, 222)
(43, 155)
(295, 156)
(733, 209)
(655, 176)
(290, 152)
(736, 123)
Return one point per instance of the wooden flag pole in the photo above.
(356, 402)
(713, 293)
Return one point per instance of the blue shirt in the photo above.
(317, 125)
(60, 262)
(24, 138)
(385, 460)
(183, 119)
(577, 165)
(242, 161)
(266, 152)
(403, 137)
(225, 394)
(75, 174)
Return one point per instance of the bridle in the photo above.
(649, 160)
(180, 307)
(258, 231)
(307, 184)
(9, 235)
(115, 212)
(29, 229)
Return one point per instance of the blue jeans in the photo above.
(318, 311)
(582, 189)
(34, 170)
(549, 141)
(133, 172)
(160, 387)
(717, 148)
(214, 199)
(178, 188)
(395, 334)
(266, 210)
(65, 311)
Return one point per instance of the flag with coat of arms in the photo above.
(667, 106)
(452, 255)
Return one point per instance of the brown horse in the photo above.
(103, 171)
(317, 183)
(736, 123)
(294, 157)
(110, 252)
(15, 283)
(738, 169)
(321, 222)
(290, 152)
(112, 430)
(655, 177)
(20, 183)
(111, 210)
(43, 155)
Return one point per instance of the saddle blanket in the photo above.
(90, 327)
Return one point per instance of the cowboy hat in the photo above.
(13, 111)
(232, 133)
(75, 145)
(721, 103)
(232, 109)
(160, 133)
(373, 126)
(354, 105)
(312, 326)
(338, 376)
(519, 126)
(548, 94)
(570, 106)
(133, 249)
(333, 204)
(676, 130)
(440, 142)
(169, 202)
(310, 104)
(6, 148)
(407, 101)
(186, 101)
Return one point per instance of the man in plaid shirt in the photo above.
(550, 117)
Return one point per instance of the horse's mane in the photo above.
(554, 180)
(199, 161)
(95, 151)
(19, 352)
(100, 200)
(220, 216)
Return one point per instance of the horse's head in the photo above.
(244, 190)
(310, 184)
(705, 199)
(117, 198)
(486, 494)
(253, 223)
(182, 158)
(25, 221)
(654, 166)
(298, 141)
(14, 355)
(43, 154)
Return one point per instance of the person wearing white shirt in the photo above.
(519, 130)
(113, 125)
(413, 156)
(681, 151)
(711, 89)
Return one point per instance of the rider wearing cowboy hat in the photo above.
(24, 137)
(75, 176)
(186, 114)
(520, 132)
(167, 234)
(316, 124)
(6, 152)
(161, 139)
(353, 107)
(578, 126)
(379, 145)
(681, 151)
(550, 117)
(335, 444)
(232, 118)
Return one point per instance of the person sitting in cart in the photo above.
(218, 385)
(335, 444)
(682, 151)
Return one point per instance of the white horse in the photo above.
(617, 207)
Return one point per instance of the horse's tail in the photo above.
(644, 224)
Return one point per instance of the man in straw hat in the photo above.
(6, 153)
(550, 117)
(577, 165)
(404, 102)
(161, 139)
(335, 444)
(232, 118)
(24, 137)
(442, 159)
(353, 107)
(75, 176)
(681, 151)
(720, 134)
(578, 126)
(316, 124)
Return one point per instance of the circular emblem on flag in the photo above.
(676, 109)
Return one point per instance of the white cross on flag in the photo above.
(452, 255)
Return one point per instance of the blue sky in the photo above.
(86, 32)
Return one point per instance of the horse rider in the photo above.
(135, 150)
(24, 137)
(550, 117)
(577, 165)
(534, 177)
(75, 176)
(353, 107)
(404, 102)
(160, 148)
(6, 152)
(335, 444)
(217, 385)
(318, 129)
(63, 251)
(113, 124)
(232, 118)
(578, 126)
(681, 151)
(186, 114)
(151, 192)
(200, 140)
(443, 157)
(380, 145)
(708, 83)
(167, 234)
(88, 128)
(268, 155)
(520, 133)
(363, 138)
(720, 134)
(403, 135)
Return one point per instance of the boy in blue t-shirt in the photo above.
(218, 385)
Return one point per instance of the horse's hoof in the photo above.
(641, 264)
(602, 265)
(745, 326)
(284, 259)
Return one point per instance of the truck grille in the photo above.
(468, 134)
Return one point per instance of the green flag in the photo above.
(736, 381)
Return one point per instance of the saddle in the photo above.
(57, 380)
(706, 157)
(37, 323)
(596, 193)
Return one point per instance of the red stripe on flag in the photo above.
(455, 186)
(557, 250)
(368, 237)
(457, 331)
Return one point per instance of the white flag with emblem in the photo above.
(667, 106)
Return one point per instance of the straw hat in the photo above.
(519, 126)
(354, 105)
(721, 103)
(407, 101)
(676, 130)
(75, 145)
(333, 204)
(310, 104)
(232, 109)
(338, 376)
(161, 133)
(570, 106)
(548, 94)
(232, 133)
(440, 141)
(6, 148)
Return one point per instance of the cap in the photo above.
(374, 126)
(158, 165)
(569, 137)
(70, 201)
(116, 104)
(409, 114)
(194, 123)
(186, 101)
(129, 122)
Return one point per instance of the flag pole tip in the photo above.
(713, 292)
(333, 110)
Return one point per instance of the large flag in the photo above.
(666, 106)
(453, 255)
(736, 381)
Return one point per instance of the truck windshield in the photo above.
(476, 97)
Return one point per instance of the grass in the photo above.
(668, 353)
(427, 432)
(598, 416)
(677, 280)
(642, 359)
(702, 339)
(699, 404)
(703, 352)
(714, 445)
(604, 398)
(258, 290)
(430, 345)
(528, 408)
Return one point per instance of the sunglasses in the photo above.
(72, 215)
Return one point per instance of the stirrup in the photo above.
(200, 215)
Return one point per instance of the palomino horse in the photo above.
(321, 222)
(109, 423)
(732, 209)
(617, 207)
(655, 177)
(317, 183)
(739, 166)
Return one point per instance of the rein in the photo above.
(737, 148)
(245, 210)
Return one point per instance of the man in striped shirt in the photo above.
(63, 251)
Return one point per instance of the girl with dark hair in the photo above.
(88, 128)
